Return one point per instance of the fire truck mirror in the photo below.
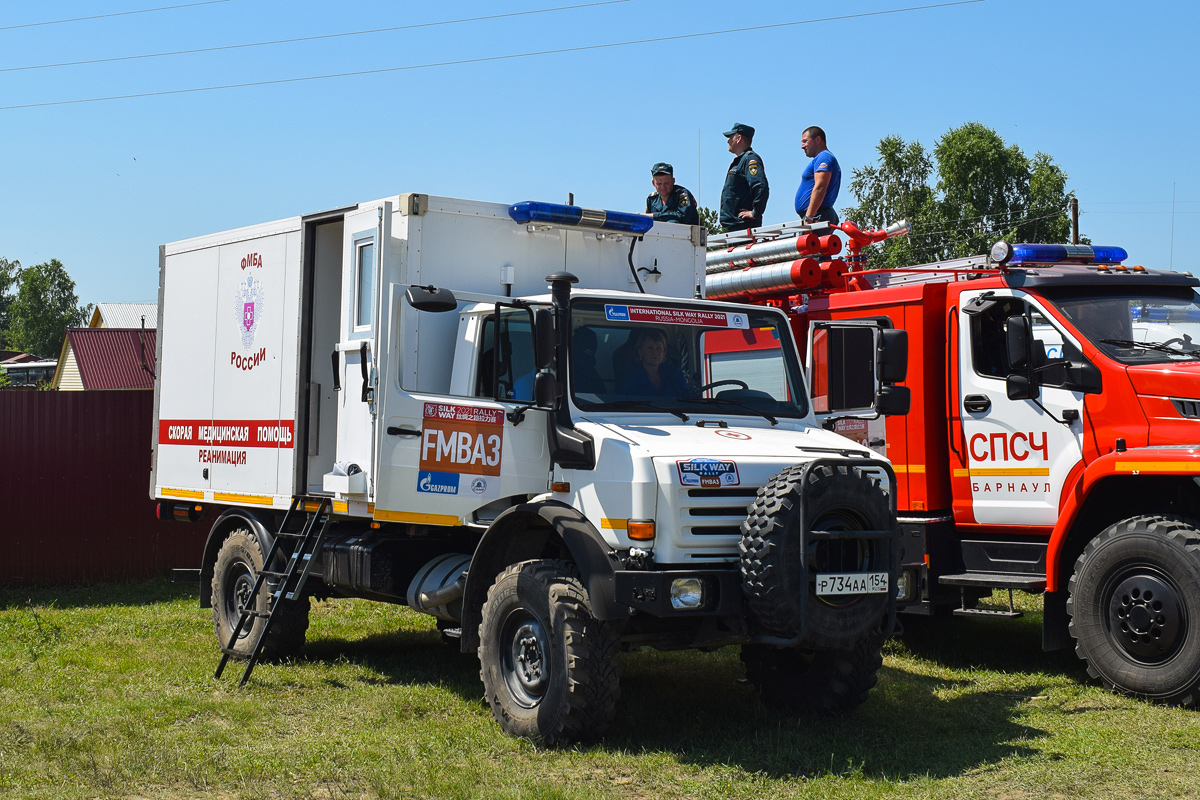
(891, 400)
(1021, 387)
(1019, 338)
(891, 359)
(545, 338)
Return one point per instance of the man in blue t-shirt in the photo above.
(821, 180)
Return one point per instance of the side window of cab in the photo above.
(506, 361)
(989, 341)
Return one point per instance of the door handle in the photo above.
(977, 403)
(394, 431)
(367, 392)
(337, 378)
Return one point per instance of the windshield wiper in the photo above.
(730, 401)
(644, 404)
(1161, 348)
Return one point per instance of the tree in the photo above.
(8, 278)
(984, 190)
(710, 220)
(45, 305)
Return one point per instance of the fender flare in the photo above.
(1155, 461)
(259, 523)
(509, 539)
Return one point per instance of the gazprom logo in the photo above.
(616, 313)
(437, 482)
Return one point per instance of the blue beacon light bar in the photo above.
(1057, 253)
(576, 217)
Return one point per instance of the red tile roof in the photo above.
(110, 358)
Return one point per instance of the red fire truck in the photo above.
(1053, 442)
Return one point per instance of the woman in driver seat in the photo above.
(650, 375)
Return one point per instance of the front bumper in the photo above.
(650, 591)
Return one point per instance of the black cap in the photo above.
(662, 168)
(744, 130)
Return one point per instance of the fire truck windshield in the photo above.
(683, 359)
(1138, 328)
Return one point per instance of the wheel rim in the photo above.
(238, 596)
(524, 657)
(845, 555)
(1146, 620)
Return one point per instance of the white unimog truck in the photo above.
(389, 404)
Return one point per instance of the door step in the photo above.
(994, 613)
(996, 580)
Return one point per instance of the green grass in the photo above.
(107, 691)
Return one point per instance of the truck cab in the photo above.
(1053, 447)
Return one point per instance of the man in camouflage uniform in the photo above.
(744, 196)
(670, 202)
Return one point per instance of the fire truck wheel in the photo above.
(236, 568)
(825, 682)
(777, 571)
(1134, 604)
(550, 670)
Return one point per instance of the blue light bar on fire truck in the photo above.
(576, 217)
(1005, 253)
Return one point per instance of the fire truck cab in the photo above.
(1053, 442)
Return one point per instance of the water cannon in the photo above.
(858, 239)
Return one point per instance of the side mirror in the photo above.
(1021, 387)
(891, 358)
(431, 298)
(545, 338)
(1019, 338)
(891, 400)
(545, 389)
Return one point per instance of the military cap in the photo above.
(744, 130)
(662, 168)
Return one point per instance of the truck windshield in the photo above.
(1138, 328)
(683, 359)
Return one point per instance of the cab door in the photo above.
(458, 438)
(366, 251)
(1018, 453)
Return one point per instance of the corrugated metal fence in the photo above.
(74, 491)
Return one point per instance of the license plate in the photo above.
(852, 583)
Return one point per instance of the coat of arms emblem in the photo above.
(249, 308)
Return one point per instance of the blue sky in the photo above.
(1107, 89)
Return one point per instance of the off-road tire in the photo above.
(773, 557)
(238, 563)
(1134, 603)
(566, 687)
(822, 682)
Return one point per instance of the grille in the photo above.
(714, 512)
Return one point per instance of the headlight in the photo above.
(687, 593)
(906, 586)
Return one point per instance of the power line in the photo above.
(486, 59)
(307, 38)
(105, 16)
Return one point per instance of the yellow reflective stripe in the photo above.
(188, 493)
(1029, 472)
(614, 524)
(341, 507)
(411, 516)
(253, 499)
(908, 468)
(1158, 466)
(960, 473)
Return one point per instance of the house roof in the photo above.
(124, 315)
(110, 358)
(17, 358)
